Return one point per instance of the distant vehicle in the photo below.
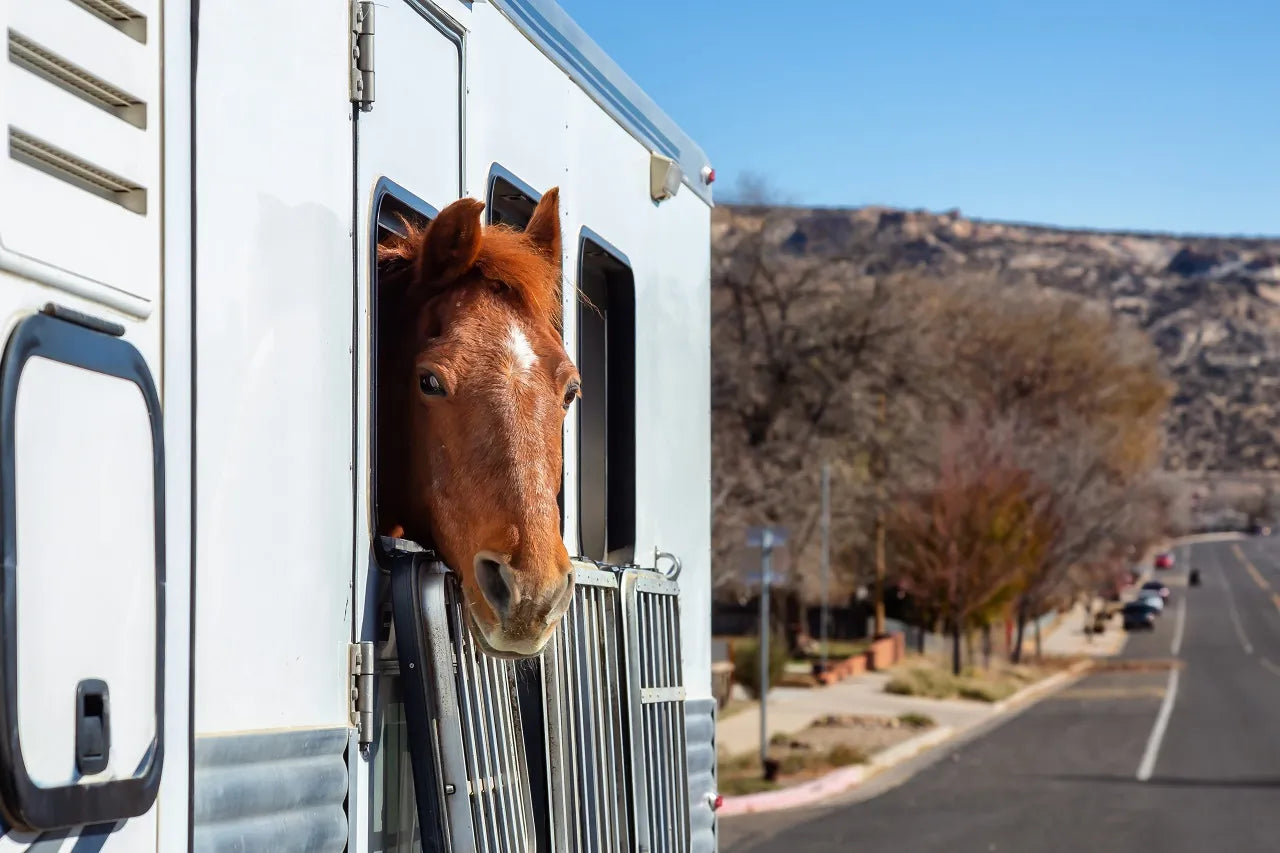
(1156, 587)
(1193, 578)
(1139, 615)
(1257, 529)
(1152, 599)
(1164, 561)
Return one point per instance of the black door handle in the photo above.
(93, 726)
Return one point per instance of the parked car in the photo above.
(1164, 561)
(1139, 615)
(1152, 599)
(1156, 587)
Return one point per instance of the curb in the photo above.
(838, 781)
(834, 782)
(1045, 685)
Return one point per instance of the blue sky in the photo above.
(1128, 114)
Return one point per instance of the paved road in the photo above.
(1063, 775)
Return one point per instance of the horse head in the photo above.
(479, 387)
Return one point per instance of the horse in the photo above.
(474, 384)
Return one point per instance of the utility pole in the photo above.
(823, 629)
(880, 519)
(766, 576)
(766, 539)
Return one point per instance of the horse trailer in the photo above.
(211, 640)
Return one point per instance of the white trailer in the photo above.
(204, 644)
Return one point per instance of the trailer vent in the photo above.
(55, 162)
(122, 16)
(587, 750)
(651, 618)
(80, 106)
(25, 53)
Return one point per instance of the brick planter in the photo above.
(885, 652)
(847, 668)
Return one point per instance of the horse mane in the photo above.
(507, 255)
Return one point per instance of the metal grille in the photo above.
(660, 777)
(587, 752)
(492, 752)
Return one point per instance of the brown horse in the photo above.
(474, 386)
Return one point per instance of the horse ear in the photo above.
(451, 243)
(544, 226)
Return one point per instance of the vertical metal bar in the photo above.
(579, 651)
(492, 746)
(514, 778)
(613, 756)
(682, 777)
(665, 733)
(601, 721)
(766, 567)
(466, 715)
(475, 761)
(824, 616)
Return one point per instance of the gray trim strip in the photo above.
(700, 725)
(271, 791)
(557, 35)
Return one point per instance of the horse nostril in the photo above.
(565, 598)
(493, 585)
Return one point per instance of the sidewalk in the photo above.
(792, 708)
(1068, 638)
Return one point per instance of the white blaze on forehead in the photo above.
(520, 348)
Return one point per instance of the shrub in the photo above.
(746, 663)
(930, 683)
(913, 720)
(986, 692)
(842, 755)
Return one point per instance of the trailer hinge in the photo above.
(362, 54)
(363, 664)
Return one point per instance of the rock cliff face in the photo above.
(1211, 305)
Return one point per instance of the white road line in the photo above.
(1179, 628)
(1235, 614)
(1275, 670)
(1148, 764)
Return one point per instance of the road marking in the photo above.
(1253, 570)
(1275, 599)
(1235, 614)
(1179, 628)
(1275, 670)
(1148, 764)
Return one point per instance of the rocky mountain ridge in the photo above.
(1211, 305)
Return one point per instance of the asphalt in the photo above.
(1064, 774)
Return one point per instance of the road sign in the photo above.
(766, 537)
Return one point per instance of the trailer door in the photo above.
(408, 165)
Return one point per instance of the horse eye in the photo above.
(430, 385)
(571, 394)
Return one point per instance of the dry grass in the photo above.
(931, 678)
(829, 743)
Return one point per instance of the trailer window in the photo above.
(511, 201)
(395, 206)
(606, 413)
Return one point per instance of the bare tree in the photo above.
(970, 538)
